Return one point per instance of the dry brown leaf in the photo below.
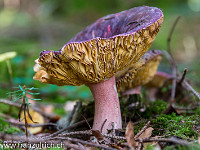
(37, 117)
(147, 133)
(97, 134)
(130, 135)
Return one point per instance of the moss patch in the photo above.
(181, 126)
(5, 127)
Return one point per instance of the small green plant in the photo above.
(22, 94)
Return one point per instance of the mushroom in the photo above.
(159, 79)
(95, 55)
(140, 73)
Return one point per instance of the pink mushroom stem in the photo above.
(107, 105)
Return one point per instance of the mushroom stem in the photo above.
(106, 105)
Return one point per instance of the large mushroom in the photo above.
(93, 57)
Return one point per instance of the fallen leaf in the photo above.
(147, 133)
(97, 134)
(37, 117)
(130, 135)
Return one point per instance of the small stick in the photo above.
(68, 128)
(83, 142)
(143, 129)
(86, 132)
(48, 116)
(30, 125)
(103, 125)
(183, 76)
(173, 63)
(170, 35)
(185, 84)
(185, 108)
(191, 89)
(140, 146)
(87, 122)
(11, 81)
(171, 139)
(173, 93)
(114, 137)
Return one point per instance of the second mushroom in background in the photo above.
(140, 73)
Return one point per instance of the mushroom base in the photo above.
(107, 108)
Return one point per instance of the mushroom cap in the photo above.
(139, 73)
(109, 45)
(159, 79)
(36, 117)
(7, 55)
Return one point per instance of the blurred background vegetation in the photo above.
(30, 26)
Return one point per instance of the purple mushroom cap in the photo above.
(119, 24)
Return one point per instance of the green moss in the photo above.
(5, 127)
(180, 126)
(197, 110)
(180, 147)
(154, 108)
(150, 147)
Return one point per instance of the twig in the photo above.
(172, 61)
(140, 146)
(83, 142)
(11, 82)
(173, 93)
(5, 116)
(171, 139)
(103, 125)
(114, 137)
(183, 76)
(143, 129)
(67, 128)
(191, 89)
(185, 84)
(74, 146)
(48, 116)
(86, 132)
(184, 108)
(170, 34)
(22, 139)
(30, 125)
(86, 122)
(89, 133)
